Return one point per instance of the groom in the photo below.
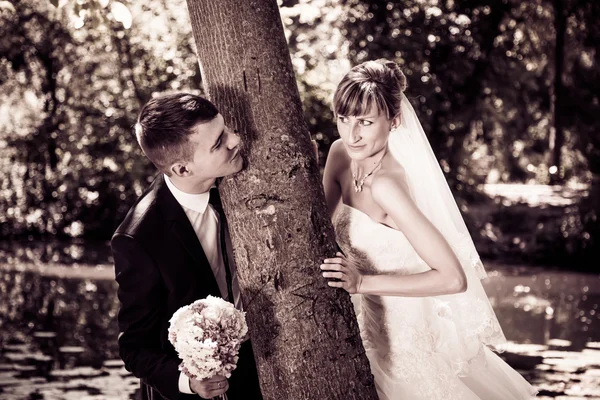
(173, 247)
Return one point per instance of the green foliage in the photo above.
(73, 75)
(480, 74)
(71, 90)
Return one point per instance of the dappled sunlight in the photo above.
(536, 195)
(551, 321)
(59, 331)
(482, 77)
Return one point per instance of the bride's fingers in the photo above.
(336, 284)
(332, 267)
(336, 260)
(336, 275)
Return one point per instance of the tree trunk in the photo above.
(304, 334)
(471, 91)
(557, 131)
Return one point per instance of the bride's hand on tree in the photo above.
(345, 271)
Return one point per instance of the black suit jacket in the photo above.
(160, 266)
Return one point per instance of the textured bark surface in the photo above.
(304, 334)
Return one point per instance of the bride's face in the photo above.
(364, 135)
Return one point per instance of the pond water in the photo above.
(58, 329)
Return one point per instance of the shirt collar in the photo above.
(194, 202)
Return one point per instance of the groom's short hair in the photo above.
(165, 124)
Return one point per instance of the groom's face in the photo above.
(217, 150)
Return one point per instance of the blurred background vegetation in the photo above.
(507, 90)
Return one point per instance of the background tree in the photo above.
(73, 79)
(481, 76)
(581, 110)
(71, 166)
(557, 134)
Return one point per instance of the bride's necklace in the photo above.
(358, 183)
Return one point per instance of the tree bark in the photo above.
(304, 334)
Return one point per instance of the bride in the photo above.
(408, 259)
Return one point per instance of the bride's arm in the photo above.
(446, 275)
(333, 192)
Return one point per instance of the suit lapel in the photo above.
(184, 233)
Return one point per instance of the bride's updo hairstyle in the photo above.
(379, 82)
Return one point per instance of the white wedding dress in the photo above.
(415, 347)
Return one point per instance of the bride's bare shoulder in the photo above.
(390, 183)
(338, 158)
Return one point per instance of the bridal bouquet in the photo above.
(207, 336)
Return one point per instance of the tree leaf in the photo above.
(7, 5)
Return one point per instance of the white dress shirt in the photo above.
(205, 221)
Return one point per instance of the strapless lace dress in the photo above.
(411, 343)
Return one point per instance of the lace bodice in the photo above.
(379, 248)
(411, 338)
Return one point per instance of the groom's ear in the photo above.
(179, 169)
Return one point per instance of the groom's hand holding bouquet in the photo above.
(207, 336)
(210, 388)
